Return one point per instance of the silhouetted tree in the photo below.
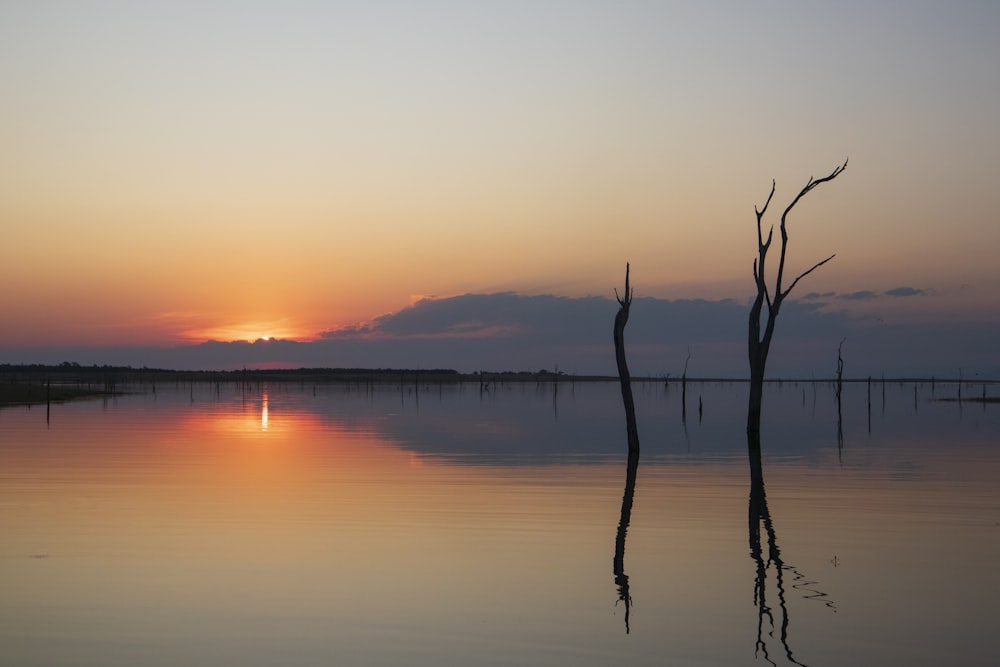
(840, 371)
(684, 388)
(840, 392)
(759, 345)
(618, 563)
(621, 319)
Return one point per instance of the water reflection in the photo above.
(187, 525)
(759, 515)
(621, 579)
(263, 411)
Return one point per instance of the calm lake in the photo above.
(292, 524)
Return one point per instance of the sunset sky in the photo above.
(174, 172)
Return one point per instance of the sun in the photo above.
(250, 332)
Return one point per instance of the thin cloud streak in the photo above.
(863, 295)
(905, 292)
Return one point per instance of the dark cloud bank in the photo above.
(508, 331)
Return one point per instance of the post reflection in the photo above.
(621, 579)
(759, 515)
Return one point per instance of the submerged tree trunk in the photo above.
(756, 399)
(621, 319)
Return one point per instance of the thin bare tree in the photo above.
(621, 319)
(760, 344)
(840, 393)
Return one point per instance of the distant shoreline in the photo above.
(107, 377)
(33, 384)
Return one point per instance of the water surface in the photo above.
(303, 525)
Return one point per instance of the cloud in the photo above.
(905, 291)
(554, 319)
(866, 295)
(863, 295)
(506, 331)
(502, 314)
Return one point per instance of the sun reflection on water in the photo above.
(263, 412)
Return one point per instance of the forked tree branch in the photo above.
(763, 246)
(809, 186)
(812, 183)
(626, 300)
(760, 216)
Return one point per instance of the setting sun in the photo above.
(249, 332)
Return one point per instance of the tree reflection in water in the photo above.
(759, 515)
(621, 579)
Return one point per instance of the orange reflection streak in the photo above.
(263, 412)
(254, 417)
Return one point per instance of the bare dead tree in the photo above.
(840, 392)
(759, 345)
(684, 388)
(621, 319)
(840, 370)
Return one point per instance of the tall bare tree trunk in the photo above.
(621, 319)
(758, 344)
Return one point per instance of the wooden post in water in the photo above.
(840, 371)
(869, 404)
(684, 388)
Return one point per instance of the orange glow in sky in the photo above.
(249, 332)
(179, 174)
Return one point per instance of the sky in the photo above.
(180, 172)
